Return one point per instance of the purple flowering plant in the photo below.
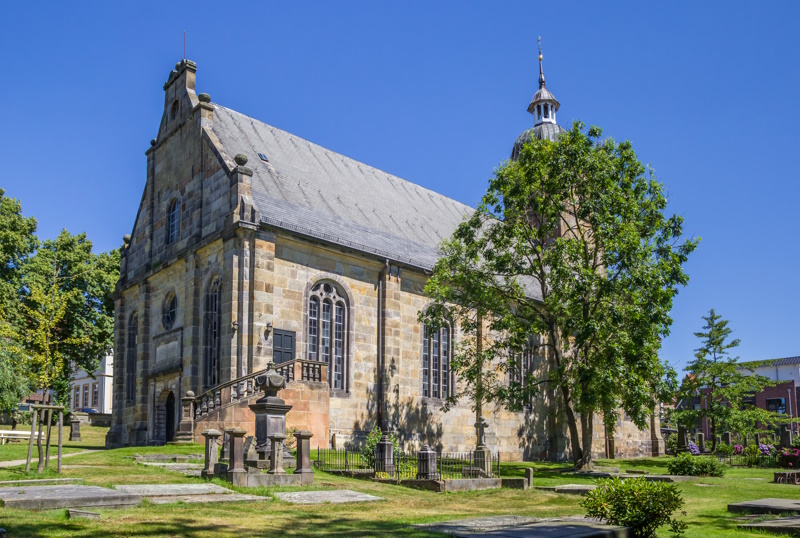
(737, 449)
(693, 448)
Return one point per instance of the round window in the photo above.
(170, 311)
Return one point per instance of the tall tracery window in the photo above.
(212, 325)
(327, 329)
(173, 222)
(436, 374)
(524, 367)
(130, 358)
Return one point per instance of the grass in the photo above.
(705, 505)
(92, 437)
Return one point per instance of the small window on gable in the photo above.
(173, 112)
(173, 224)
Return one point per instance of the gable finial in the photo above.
(541, 71)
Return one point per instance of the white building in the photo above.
(95, 393)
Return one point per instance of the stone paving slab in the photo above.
(525, 527)
(168, 490)
(766, 506)
(209, 498)
(51, 497)
(329, 496)
(172, 466)
(572, 489)
(788, 525)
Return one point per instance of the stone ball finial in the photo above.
(153, 142)
(126, 239)
(204, 98)
(240, 159)
(190, 394)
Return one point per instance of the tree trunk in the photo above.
(587, 431)
(577, 451)
(713, 435)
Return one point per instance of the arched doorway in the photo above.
(170, 418)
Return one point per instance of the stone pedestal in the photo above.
(304, 457)
(384, 455)
(212, 452)
(426, 464)
(276, 454)
(237, 474)
(701, 442)
(74, 428)
(185, 433)
(658, 447)
(483, 461)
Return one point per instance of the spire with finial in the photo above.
(544, 104)
(541, 71)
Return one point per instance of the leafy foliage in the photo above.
(570, 243)
(685, 464)
(671, 443)
(637, 503)
(722, 384)
(373, 437)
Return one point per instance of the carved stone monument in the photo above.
(270, 412)
(701, 442)
(683, 444)
(304, 457)
(74, 428)
(185, 433)
(237, 474)
(426, 464)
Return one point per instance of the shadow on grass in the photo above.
(309, 525)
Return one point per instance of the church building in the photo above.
(252, 245)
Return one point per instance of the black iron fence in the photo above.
(743, 460)
(329, 459)
(412, 465)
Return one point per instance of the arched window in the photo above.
(437, 381)
(130, 358)
(173, 222)
(212, 325)
(327, 330)
(169, 311)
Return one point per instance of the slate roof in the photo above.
(316, 192)
(774, 362)
(543, 131)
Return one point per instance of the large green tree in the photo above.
(17, 242)
(65, 275)
(722, 385)
(570, 242)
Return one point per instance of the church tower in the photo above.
(543, 107)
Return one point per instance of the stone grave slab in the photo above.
(51, 497)
(168, 490)
(328, 496)
(787, 525)
(525, 527)
(209, 498)
(41, 482)
(766, 506)
(571, 489)
(670, 478)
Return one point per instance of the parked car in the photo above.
(88, 410)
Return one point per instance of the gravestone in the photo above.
(276, 455)
(786, 439)
(701, 443)
(74, 428)
(384, 456)
(212, 452)
(726, 438)
(304, 457)
(683, 445)
(250, 448)
(529, 478)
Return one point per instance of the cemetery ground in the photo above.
(706, 500)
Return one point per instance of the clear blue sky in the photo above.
(436, 92)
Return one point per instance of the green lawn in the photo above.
(705, 505)
(91, 438)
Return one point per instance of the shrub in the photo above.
(694, 449)
(724, 450)
(685, 465)
(368, 450)
(637, 503)
(671, 443)
(789, 458)
(752, 456)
